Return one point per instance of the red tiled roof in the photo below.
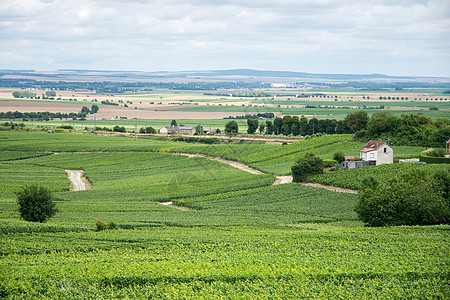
(368, 150)
(373, 144)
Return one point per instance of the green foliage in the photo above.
(409, 129)
(307, 166)
(434, 156)
(356, 121)
(101, 225)
(328, 163)
(242, 238)
(351, 178)
(231, 128)
(50, 93)
(35, 203)
(94, 109)
(148, 130)
(339, 156)
(173, 123)
(252, 126)
(414, 198)
(118, 128)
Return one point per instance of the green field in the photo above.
(330, 113)
(241, 238)
(131, 124)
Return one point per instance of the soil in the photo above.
(331, 188)
(78, 182)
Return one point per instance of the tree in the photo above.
(118, 128)
(262, 126)
(339, 156)
(269, 127)
(94, 109)
(306, 166)
(277, 124)
(356, 121)
(252, 126)
(35, 203)
(149, 130)
(85, 111)
(50, 93)
(415, 198)
(231, 128)
(173, 123)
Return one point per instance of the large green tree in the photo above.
(306, 166)
(252, 125)
(356, 121)
(231, 128)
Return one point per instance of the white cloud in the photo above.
(394, 37)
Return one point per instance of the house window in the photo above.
(371, 155)
(385, 150)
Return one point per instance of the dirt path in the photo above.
(232, 163)
(331, 188)
(78, 182)
(243, 167)
(170, 203)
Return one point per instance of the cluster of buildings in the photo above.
(183, 130)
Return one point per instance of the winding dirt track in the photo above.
(78, 183)
(243, 167)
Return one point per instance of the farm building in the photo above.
(377, 153)
(177, 129)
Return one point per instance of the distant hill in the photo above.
(246, 75)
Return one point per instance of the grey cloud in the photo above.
(195, 33)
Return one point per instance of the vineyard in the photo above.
(351, 178)
(241, 237)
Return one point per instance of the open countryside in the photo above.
(250, 192)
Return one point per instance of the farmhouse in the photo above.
(177, 129)
(377, 153)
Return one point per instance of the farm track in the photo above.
(78, 183)
(244, 167)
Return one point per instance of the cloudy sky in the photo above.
(394, 37)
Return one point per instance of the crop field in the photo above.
(240, 237)
(329, 113)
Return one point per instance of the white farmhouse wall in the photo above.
(163, 130)
(385, 155)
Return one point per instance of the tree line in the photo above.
(408, 129)
(46, 116)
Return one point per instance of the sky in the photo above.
(393, 37)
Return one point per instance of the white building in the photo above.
(377, 153)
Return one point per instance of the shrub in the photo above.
(434, 156)
(415, 198)
(305, 166)
(102, 225)
(35, 203)
(339, 156)
(329, 163)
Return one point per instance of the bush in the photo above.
(415, 198)
(339, 156)
(329, 163)
(306, 166)
(35, 203)
(101, 225)
(434, 156)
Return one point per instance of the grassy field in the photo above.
(330, 113)
(241, 238)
